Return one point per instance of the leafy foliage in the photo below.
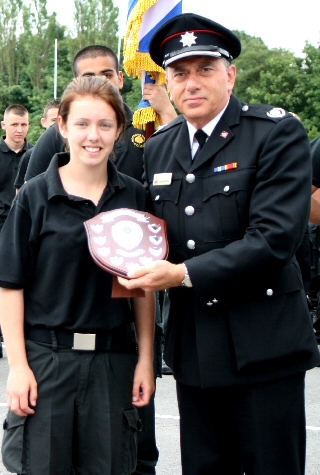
(27, 50)
(27, 44)
(279, 78)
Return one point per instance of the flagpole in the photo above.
(55, 79)
(119, 48)
(120, 31)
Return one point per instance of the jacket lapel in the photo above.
(181, 147)
(221, 135)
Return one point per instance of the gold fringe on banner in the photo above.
(135, 63)
(141, 117)
(143, 62)
(131, 39)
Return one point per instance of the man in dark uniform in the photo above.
(314, 227)
(16, 125)
(233, 182)
(49, 118)
(315, 196)
(99, 60)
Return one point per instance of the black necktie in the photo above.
(201, 137)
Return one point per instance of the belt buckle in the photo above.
(84, 341)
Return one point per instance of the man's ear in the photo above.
(121, 79)
(43, 122)
(3, 125)
(62, 127)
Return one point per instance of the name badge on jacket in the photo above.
(162, 179)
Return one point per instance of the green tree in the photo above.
(132, 93)
(277, 81)
(249, 64)
(10, 57)
(27, 43)
(277, 77)
(38, 39)
(96, 22)
(309, 90)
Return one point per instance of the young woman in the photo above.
(72, 410)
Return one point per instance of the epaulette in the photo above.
(164, 128)
(264, 111)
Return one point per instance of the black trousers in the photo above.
(84, 420)
(148, 453)
(259, 430)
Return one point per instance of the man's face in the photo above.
(16, 128)
(51, 117)
(200, 87)
(101, 66)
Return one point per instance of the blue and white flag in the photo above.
(144, 18)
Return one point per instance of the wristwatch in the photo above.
(186, 280)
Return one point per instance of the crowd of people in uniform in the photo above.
(232, 180)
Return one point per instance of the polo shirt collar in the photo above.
(54, 183)
(4, 147)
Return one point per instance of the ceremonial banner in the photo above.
(144, 18)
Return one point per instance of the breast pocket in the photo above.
(226, 198)
(165, 199)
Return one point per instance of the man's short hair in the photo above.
(94, 51)
(54, 104)
(17, 109)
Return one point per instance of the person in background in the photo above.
(315, 193)
(314, 226)
(12, 146)
(233, 182)
(50, 113)
(49, 118)
(75, 376)
(99, 60)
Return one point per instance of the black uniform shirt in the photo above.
(315, 154)
(44, 249)
(9, 161)
(22, 168)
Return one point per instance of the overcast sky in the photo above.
(280, 23)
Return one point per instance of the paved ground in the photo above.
(167, 422)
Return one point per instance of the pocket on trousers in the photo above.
(131, 425)
(12, 442)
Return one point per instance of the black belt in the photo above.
(117, 340)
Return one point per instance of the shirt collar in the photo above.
(208, 128)
(54, 183)
(4, 147)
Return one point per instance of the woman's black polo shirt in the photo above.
(44, 250)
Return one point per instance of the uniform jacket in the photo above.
(315, 154)
(236, 217)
